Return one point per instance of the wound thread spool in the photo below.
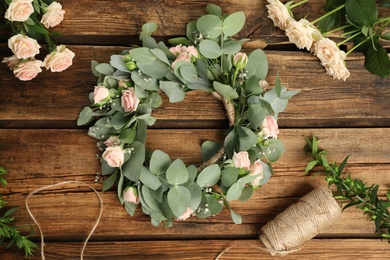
(300, 222)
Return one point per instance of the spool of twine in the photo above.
(300, 222)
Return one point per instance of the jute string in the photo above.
(299, 223)
(231, 115)
(39, 227)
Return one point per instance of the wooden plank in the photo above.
(37, 158)
(321, 102)
(201, 249)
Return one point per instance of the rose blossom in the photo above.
(240, 60)
(23, 47)
(11, 61)
(269, 127)
(129, 101)
(100, 93)
(59, 60)
(186, 214)
(53, 16)
(326, 51)
(19, 10)
(241, 160)
(130, 194)
(114, 156)
(279, 14)
(184, 53)
(112, 141)
(338, 70)
(28, 70)
(256, 169)
(300, 33)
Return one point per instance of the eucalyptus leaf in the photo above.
(210, 49)
(214, 9)
(159, 162)
(105, 68)
(196, 195)
(256, 115)
(231, 47)
(149, 179)
(188, 72)
(94, 63)
(117, 62)
(151, 203)
(179, 199)
(127, 136)
(109, 182)
(229, 175)
(143, 55)
(209, 149)
(157, 69)
(234, 192)
(130, 208)
(160, 55)
(225, 90)
(149, 42)
(132, 168)
(233, 23)
(209, 176)
(257, 64)
(177, 173)
(248, 141)
(246, 193)
(209, 24)
(173, 90)
(85, 116)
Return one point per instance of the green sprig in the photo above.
(353, 192)
(12, 233)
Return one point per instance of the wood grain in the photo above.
(54, 100)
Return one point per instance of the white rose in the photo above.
(19, 10)
(53, 16)
(300, 33)
(337, 70)
(59, 60)
(326, 51)
(28, 70)
(279, 14)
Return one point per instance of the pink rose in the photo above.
(128, 100)
(23, 47)
(269, 127)
(59, 60)
(186, 214)
(114, 156)
(53, 16)
(241, 160)
(112, 141)
(130, 194)
(11, 61)
(264, 84)
(100, 94)
(28, 70)
(256, 168)
(19, 10)
(193, 51)
(184, 53)
(240, 60)
(301, 33)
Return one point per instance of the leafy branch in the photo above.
(12, 233)
(352, 191)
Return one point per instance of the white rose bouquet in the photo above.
(365, 31)
(29, 20)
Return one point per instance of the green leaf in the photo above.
(177, 173)
(160, 55)
(225, 90)
(247, 138)
(85, 116)
(210, 49)
(151, 203)
(132, 168)
(173, 90)
(257, 64)
(377, 61)
(209, 24)
(196, 195)
(94, 63)
(386, 36)
(157, 69)
(256, 115)
(159, 162)
(252, 86)
(10, 212)
(127, 136)
(234, 191)
(143, 55)
(130, 207)
(362, 12)
(310, 166)
(117, 62)
(105, 68)
(144, 81)
(229, 175)
(188, 72)
(179, 199)
(209, 149)
(233, 23)
(231, 47)
(214, 9)
(209, 176)
(109, 182)
(246, 193)
(149, 179)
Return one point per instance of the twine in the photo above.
(39, 227)
(231, 115)
(299, 223)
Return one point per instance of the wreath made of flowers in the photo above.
(129, 88)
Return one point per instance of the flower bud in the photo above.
(127, 57)
(130, 194)
(240, 60)
(131, 65)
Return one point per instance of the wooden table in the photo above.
(40, 143)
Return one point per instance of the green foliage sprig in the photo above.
(208, 59)
(353, 192)
(12, 233)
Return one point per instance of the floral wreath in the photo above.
(209, 59)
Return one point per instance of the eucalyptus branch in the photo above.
(12, 233)
(354, 192)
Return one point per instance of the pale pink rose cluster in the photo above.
(129, 101)
(23, 62)
(241, 160)
(184, 53)
(306, 36)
